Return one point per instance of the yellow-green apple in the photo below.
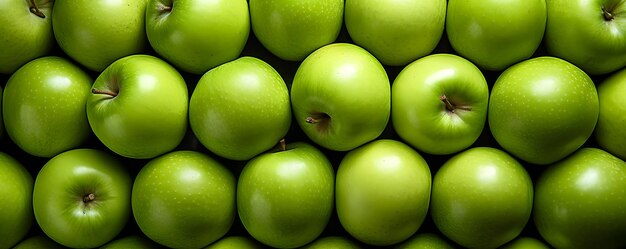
(341, 97)
(138, 107)
(495, 34)
(397, 32)
(292, 29)
(542, 109)
(335, 242)
(235, 242)
(482, 198)
(38, 242)
(197, 35)
(383, 192)
(580, 201)
(81, 198)
(132, 241)
(525, 243)
(26, 32)
(184, 199)
(426, 241)
(43, 106)
(609, 131)
(439, 104)
(16, 191)
(285, 196)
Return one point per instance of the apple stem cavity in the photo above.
(451, 107)
(107, 92)
(35, 10)
(162, 8)
(282, 145)
(608, 16)
(89, 198)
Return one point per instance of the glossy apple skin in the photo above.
(293, 29)
(240, 109)
(97, 33)
(542, 109)
(38, 242)
(44, 106)
(26, 36)
(132, 241)
(59, 195)
(334, 81)
(578, 32)
(383, 192)
(397, 32)
(184, 199)
(525, 243)
(285, 198)
(235, 242)
(16, 188)
(581, 201)
(197, 35)
(426, 241)
(334, 242)
(148, 117)
(609, 132)
(495, 34)
(421, 118)
(481, 198)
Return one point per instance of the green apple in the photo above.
(132, 241)
(495, 34)
(334, 242)
(482, 198)
(580, 201)
(525, 243)
(43, 106)
(426, 241)
(542, 109)
(397, 32)
(609, 132)
(591, 34)
(235, 242)
(383, 192)
(81, 198)
(341, 97)
(16, 188)
(439, 104)
(184, 199)
(285, 197)
(292, 29)
(197, 35)
(96, 33)
(26, 32)
(240, 109)
(38, 242)
(138, 107)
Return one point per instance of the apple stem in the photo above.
(35, 10)
(165, 8)
(608, 16)
(89, 198)
(312, 120)
(107, 92)
(282, 145)
(452, 108)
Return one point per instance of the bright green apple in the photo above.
(610, 131)
(184, 199)
(580, 201)
(591, 34)
(44, 106)
(38, 242)
(383, 192)
(439, 104)
(235, 242)
(482, 198)
(285, 196)
(495, 34)
(426, 241)
(26, 29)
(341, 97)
(334, 242)
(542, 109)
(138, 107)
(16, 188)
(525, 243)
(397, 32)
(81, 198)
(292, 29)
(96, 33)
(240, 109)
(132, 241)
(197, 35)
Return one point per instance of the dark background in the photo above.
(287, 70)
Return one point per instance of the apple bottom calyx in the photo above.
(608, 16)
(321, 120)
(451, 107)
(35, 10)
(89, 198)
